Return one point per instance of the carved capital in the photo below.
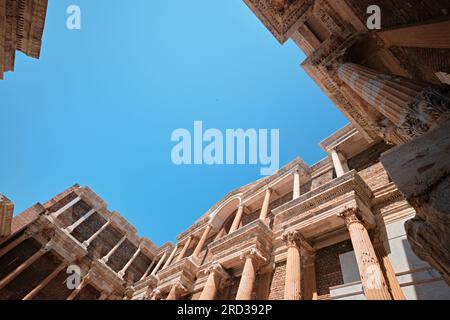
(180, 289)
(257, 258)
(218, 271)
(291, 238)
(156, 295)
(351, 216)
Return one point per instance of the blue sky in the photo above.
(100, 105)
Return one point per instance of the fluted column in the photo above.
(253, 259)
(88, 242)
(160, 262)
(176, 291)
(388, 270)
(130, 262)
(375, 287)
(172, 255)
(296, 185)
(293, 286)
(185, 249)
(413, 107)
(73, 226)
(216, 275)
(22, 267)
(106, 258)
(265, 206)
(45, 282)
(202, 241)
(237, 219)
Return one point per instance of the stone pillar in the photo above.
(45, 282)
(130, 262)
(88, 242)
(296, 187)
(177, 290)
(14, 244)
(72, 227)
(172, 255)
(372, 279)
(185, 249)
(10, 277)
(432, 35)
(202, 241)
(75, 292)
(160, 262)
(413, 107)
(148, 269)
(216, 275)
(237, 219)
(56, 214)
(265, 206)
(6, 216)
(106, 258)
(293, 286)
(309, 269)
(253, 259)
(156, 295)
(338, 166)
(388, 270)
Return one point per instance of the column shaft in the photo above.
(10, 277)
(296, 187)
(247, 281)
(110, 253)
(310, 278)
(13, 244)
(265, 206)
(172, 255)
(45, 282)
(160, 262)
(75, 292)
(96, 234)
(80, 221)
(337, 163)
(56, 214)
(237, 219)
(388, 270)
(185, 249)
(202, 241)
(148, 269)
(210, 290)
(128, 264)
(372, 279)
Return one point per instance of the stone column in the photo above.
(14, 244)
(309, 269)
(56, 214)
(202, 241)
(72, 227)
(431, 35)
(10, 277)
(75, 292)
(253, 259)
(45, 282)
(388, 270)
(160, 262)
(237, 219)
(413, 107)
(296, 187)
(185, 249)
(338, 167)
(148, 269)
(88, 242)
(177, 290)
(172, 255)
(216, 275)
(106, 258)
(293, 286)
(265, 206)
(6, 216)
(130, 262)
(372, 279)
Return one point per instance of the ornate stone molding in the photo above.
(350, 216)
(256, 256)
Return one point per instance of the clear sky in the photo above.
(100, 105)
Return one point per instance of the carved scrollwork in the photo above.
(351, 216)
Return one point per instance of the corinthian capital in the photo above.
(255, 255)
(351, 216)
